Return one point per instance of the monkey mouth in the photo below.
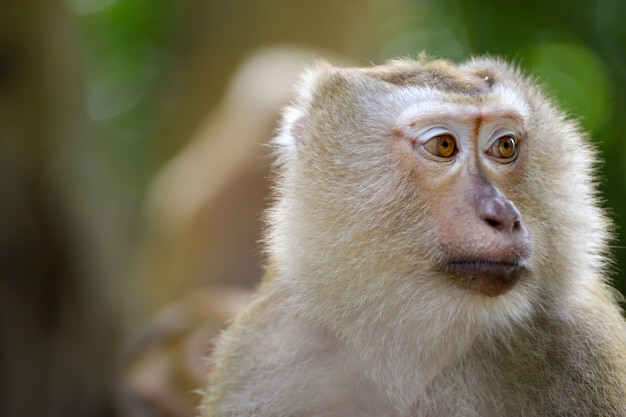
(490, 277)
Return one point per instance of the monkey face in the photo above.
(462, 155)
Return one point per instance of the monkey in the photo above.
(436, 247)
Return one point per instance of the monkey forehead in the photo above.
(429, 105)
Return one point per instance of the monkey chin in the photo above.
(485, 276)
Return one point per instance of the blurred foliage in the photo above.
(575, 48)
(128, 61)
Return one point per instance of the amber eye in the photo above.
(442, 145)
(504, 147)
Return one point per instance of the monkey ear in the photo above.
(295, 116)
(289, 133)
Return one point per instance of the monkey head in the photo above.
(426, 177)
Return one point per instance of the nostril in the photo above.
(494, 223)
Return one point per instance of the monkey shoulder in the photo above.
(565, 362)
(271, 362)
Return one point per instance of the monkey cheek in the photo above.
(487, 279)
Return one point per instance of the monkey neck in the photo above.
(423, 331)
(411, 360)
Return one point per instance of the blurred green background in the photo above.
(98, 96)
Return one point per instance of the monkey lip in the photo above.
(486, 276)
(486, 265)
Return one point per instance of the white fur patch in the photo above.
(293, 116)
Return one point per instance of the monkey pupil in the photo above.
(507, 146)
(446, 146)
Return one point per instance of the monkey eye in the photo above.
(443, 146)
(504, 148)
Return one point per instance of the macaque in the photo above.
(436, 248)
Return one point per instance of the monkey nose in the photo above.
(501, 214)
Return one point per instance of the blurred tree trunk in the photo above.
(58, 328)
